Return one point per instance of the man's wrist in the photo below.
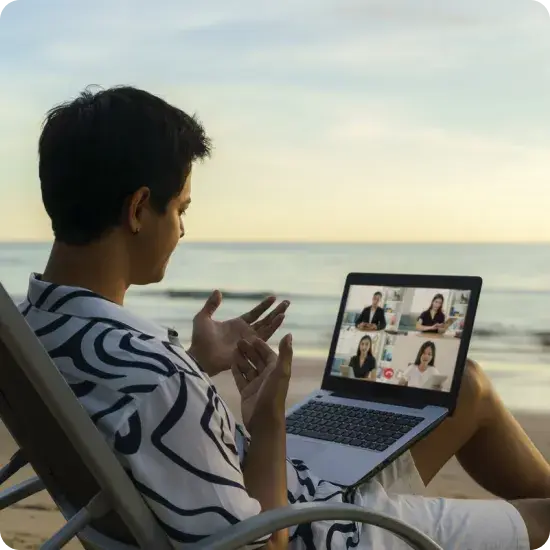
(268, 421)
(196, 356)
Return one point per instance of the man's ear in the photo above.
(136, 205)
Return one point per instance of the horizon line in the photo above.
(310, 242)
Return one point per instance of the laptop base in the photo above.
(349, 465)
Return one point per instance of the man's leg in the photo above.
(536, 515)
(488, 442)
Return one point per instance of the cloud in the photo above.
(309, 102)
(422, 12)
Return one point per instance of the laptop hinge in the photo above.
(386, 401)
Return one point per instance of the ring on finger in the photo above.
(249, 373)
(252, 365)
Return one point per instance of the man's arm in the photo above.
(188, 467)
(361, 318)
(265, 470)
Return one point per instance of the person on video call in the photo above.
(363, 362)
(372, 317)
(422, 369)
(433, 319)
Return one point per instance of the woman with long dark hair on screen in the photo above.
(423, 367)
(433, 319)
(363, 362)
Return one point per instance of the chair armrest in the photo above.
(17, 461)
(20, 491)
(246, 532)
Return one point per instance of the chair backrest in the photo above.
(60, 441)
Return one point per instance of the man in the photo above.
(372, 317)
(115, 171)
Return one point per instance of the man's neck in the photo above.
(94, 267)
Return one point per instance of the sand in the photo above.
(27, 524)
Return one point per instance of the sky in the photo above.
(332, 120)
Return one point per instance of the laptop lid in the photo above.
(397, 334)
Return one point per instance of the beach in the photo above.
(29, 523)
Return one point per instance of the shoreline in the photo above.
(27, 524)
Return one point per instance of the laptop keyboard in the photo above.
(354, 426)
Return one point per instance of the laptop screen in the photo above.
(401, 336)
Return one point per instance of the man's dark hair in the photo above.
(100, 148)
(377, 293)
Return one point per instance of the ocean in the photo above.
(512, 330)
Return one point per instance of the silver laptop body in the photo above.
(352, 428)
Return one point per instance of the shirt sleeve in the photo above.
(382, 322)
(408, 371)
(371, 364)
(423, 319)
(361, 318)
(180, 449)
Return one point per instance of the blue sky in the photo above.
(340, 120)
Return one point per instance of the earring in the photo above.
(136, 231)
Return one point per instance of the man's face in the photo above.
(376, 300)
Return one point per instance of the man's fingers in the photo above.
(255, 313)
(245, 365)
(265, 332)
(240, 381)
(280, 309)
(212, 304)
(285, 354)
(263, 350)
(250, 354)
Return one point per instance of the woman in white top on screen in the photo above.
(423, 367)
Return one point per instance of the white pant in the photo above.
(454, 524)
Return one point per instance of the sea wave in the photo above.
(202, 294)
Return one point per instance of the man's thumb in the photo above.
(285, 352)
(212, 304)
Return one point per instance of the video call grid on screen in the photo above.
(402, 336)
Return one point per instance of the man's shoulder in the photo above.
(135, 352)
(107, 348)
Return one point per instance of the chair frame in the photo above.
(117, 493)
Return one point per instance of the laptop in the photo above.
(354, 426)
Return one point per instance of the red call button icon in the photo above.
(388, 373)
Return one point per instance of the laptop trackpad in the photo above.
(311, 452)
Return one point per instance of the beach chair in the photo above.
(75, 465)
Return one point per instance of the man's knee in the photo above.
(475, 383)
(476, 388)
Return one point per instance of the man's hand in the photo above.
(213, 342)
(262, 378)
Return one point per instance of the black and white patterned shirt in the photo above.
(165, 421)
